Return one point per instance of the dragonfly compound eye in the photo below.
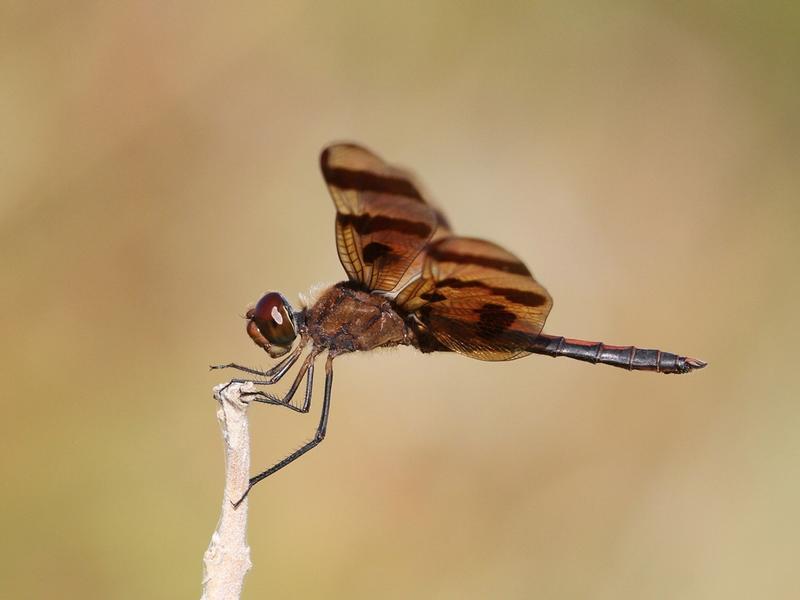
(271, 324)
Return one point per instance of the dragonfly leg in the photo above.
(307, 371)
(281, 367)
(318, 436)
(273, 375)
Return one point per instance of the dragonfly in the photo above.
(411, 281)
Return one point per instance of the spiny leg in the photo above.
(306, 368)
(276, 371)
(318, 436)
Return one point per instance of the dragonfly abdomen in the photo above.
(625, 357)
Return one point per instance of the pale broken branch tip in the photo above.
(227, 559)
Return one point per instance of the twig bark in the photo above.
(227, 559)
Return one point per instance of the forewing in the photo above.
(382, 219)
(477, 299)
(415, 270)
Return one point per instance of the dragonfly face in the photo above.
(271, 324)
(413, 281)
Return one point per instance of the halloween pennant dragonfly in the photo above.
(411, 282)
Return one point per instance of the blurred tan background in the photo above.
(159, 172)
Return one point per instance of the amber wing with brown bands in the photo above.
(442, 231)
(382, 220)
(477, 299)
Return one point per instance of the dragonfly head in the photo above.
(271, 325)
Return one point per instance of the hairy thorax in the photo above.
(348, 319)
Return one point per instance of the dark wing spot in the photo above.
(494, 319)
(365, 181)
(375, 250)
(365, 224)
(382, 223)
(523, 297)
(507, 266)
(433, 296)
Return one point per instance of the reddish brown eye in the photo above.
(273, 317)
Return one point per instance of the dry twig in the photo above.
(227, 559)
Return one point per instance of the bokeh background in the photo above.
(159, 172)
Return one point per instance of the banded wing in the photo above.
(442, 231)
(476, 298)
(382, 219)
